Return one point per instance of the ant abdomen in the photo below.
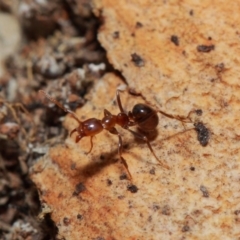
(145, 117)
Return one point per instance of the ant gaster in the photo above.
(142, 116)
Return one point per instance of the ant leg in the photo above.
(91, 141)
(120, 146)
(144, 138)
(119, 101)
(73, 131)
(179, 118)
(79, 137)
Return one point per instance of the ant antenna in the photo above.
(60, 105)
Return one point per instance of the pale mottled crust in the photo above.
(198, 198)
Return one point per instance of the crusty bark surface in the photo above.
(181, 56)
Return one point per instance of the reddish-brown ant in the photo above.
(142, 116)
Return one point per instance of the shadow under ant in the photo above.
(97, 164)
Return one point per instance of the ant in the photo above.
(142, 116)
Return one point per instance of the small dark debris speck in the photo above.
(205, 48)
(204, 191)
(155, 207)
(73, 166)
(139, 25)
(116, 35)
(152, 171)
(203, 134)
(220, 67)
(199, 112)
(184, 53)
(109, 182)
(123, 176)
(99, 238)
(137, 60)
(175, 40)
(132, 188)
(197, 212)
(66, 221)
(79, 188)
(191, 12)
(185, 228)
(237, 220)
(114, 104)
(166, 210)
(79, 217)
(149, 218)
(192, 168)
(236, 212)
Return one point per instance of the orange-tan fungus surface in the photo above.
(182, 56)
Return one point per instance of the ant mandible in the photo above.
(142, 116)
